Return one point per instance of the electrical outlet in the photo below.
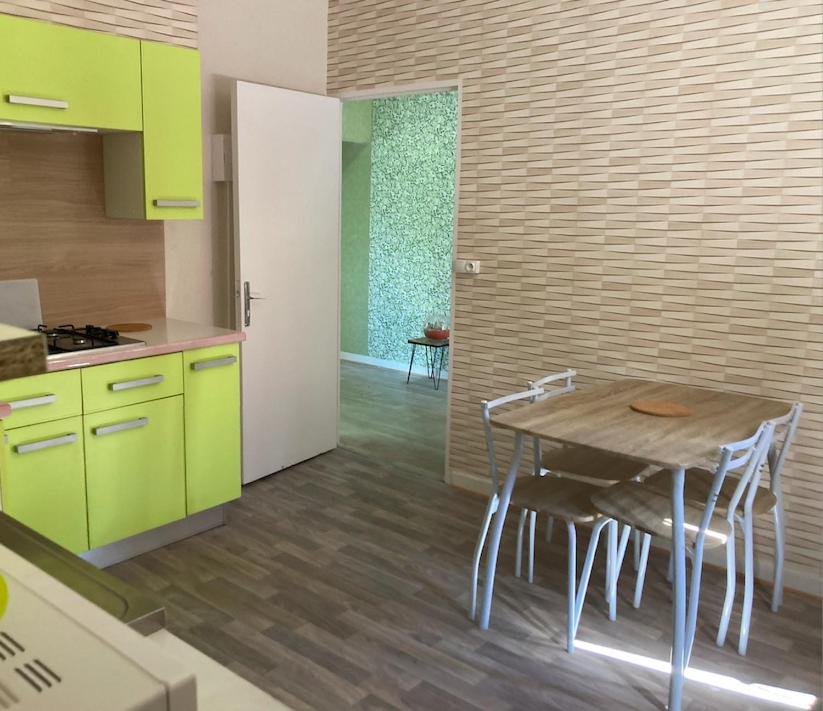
(466, 266)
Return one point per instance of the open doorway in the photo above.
(400, 157)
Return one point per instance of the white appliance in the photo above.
(286, 170)
(59, 651)
(20, 303)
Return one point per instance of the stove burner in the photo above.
(67, 338)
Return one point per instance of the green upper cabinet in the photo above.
(50, 74)
(212, 420)
(172, 132)
(158, 174)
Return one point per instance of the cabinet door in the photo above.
(135, 475)
(212, 415)
(125, 383)
(64, 76)
(41, 398)
(43, 481)
(172, 132)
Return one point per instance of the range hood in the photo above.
(43, 127)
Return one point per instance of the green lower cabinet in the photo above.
(135, 469)
(212, 413)
(43, 481)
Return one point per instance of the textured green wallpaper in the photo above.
(354, 228)
(413, 150)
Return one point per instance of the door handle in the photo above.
(32, 402)
(34, 101)
(120, 427)
(213, 363)
(141, 383)
(247, 299)
(176, 203)
(45, 444)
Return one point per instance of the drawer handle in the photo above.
(32, 402)
(120, 427)
(176, 203)
(213, 363)
(35, 101)
(45, 444)
(141, 383)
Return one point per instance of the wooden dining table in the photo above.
(600, 417)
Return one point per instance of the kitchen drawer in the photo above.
(59, 75)
(135, 469)
(212, 417)
(43, 481)
(131, 381)
(42, 398)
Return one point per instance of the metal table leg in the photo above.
(411, 362)
(679, 589)
(439, 367)
(497, 532)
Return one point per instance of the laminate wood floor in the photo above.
(342, 583)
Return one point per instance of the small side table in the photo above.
(433, 366)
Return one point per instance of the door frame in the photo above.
(428, 87)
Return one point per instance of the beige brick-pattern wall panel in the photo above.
(172, 21)
(641, 180)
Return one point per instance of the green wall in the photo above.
(403, 259)
(354, 227)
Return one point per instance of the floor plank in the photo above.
(342, 583)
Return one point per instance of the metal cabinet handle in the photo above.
(45, 444)
(32, 402)
(35, 101)
(176, 203)
(131, 384)
(120, 427)
(213, 363)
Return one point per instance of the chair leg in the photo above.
(731, 582)
(748, 583)
(779, 550)
(641, 570)
(571, 584)
(549, 529)
(491, 507)
(518, 560)
(611, 554)
(636, 549)
(532, 526)
(585, 574)
(616, 567)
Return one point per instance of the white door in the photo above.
(287, 154)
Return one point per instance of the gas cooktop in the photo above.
(67, 339)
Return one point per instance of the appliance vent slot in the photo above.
(47, 670)
(7, 697)
(39, 675)
(14, 642)
(32, 682)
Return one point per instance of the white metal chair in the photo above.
(566, 499)
(760, 500)
(645, 507)
(589, 465)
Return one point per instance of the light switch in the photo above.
(466, 266)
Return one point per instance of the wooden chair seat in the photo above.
(591, 463)
(567, 499)
(699, 484)
(650, 511)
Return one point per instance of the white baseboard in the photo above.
(390, 364)
(807, 580)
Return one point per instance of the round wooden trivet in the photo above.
(130, 327)
(660, 408)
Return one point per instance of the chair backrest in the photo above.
(558, 384)
(567, 386)
(746, 458)
(486, 407)
(784, 431)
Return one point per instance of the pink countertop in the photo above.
(165, 336)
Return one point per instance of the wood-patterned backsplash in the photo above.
(53, 227)
(641, 182)
(172, 21)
